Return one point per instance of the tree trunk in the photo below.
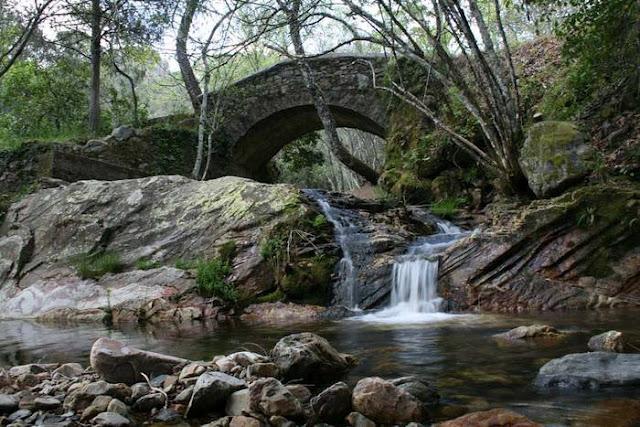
(324, 113)
(189, 78)
(96, 58)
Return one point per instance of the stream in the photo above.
(411, 336)
(458, 354)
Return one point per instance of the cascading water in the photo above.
(354, 245)
(414, 280)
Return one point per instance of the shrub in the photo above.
(227, 251)
(447, 208)
(186, 264)
(147, 264)
(211, 280)
(96, 265)
(274, 296)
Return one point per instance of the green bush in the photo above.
(211, 280)
(447, 208)
(147, 264)
(96, 265)
(227, 251)
(274, 296)
(186, 264)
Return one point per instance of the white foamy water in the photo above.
(414, 281)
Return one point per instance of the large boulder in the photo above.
(492, 418)
(333, 404)
(116, 362)
(310, 357)
(384, 403)
(554, 156)
(529, 332)
(590, 371)
(211, 392)
(162, 219)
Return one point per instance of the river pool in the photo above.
(458, 354)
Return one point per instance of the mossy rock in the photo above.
(555, 156)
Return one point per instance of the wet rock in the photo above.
(612, 341)
(167, 416)
(46, 403)
(261, 370)
(242, 421)
(21, 370)
(385, 403)
(302, 393)
(139, 389)
(110, 419)
(333, 404)
(193, 369)
(118, 363)
(554, 156)
(419, 388)
(590, 371)
(148, 402)
(241, 358)
(529, 332)
(98, 405)
(492, 418)
(356, 419)
(280, 312)
(310, 357)
(70, 370)
(211, 391)
(269, 397)
(8, 403)
(238, 403)
(185, 395)
(118, 406)
(20, 414)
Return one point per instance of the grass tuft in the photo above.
(96, 265)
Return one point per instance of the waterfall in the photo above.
(354, 245)
(414, 280)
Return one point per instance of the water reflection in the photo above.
(459, 355)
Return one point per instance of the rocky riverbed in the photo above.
(300, 381)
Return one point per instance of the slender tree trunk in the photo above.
(322, 108)
(134, 94)
(182, 57)
(96, 59)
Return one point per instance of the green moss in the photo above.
(96, 265)
(274, 296)
(146, 264)
(308, 280)
(227, 252)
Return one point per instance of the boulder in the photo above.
(612, 341)
(110, 419)
(590, 371)
(238, 403)
(310, 357)
(70, 370)
(419, 388)
(150, 401)
(242, 421)
(259, 370)
(529, 332)
(211, 392)
(384, 403)
(8, 403)
(122, 133)
(116, 362)
(492, 418)
(164, 218)
(554, 156)
(241, 358)
(269, 397)
(333, 404)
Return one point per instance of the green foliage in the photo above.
(147, 264)
(319, 221)
(96, 265)
(227, 252)
(42, 101)
(184, 264)
(211, 280)
(447, 208)
(274, 296)
(302, 153)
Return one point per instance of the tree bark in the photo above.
(96, 59)
(182, 57)
(134, 94)
(321, 106)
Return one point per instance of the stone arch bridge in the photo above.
(267, 110)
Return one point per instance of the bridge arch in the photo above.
(269, 109)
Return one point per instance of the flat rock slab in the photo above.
(116, 362)
(590, 371)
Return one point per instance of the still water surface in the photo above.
(458, 354)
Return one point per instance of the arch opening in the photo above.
(266, 138)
